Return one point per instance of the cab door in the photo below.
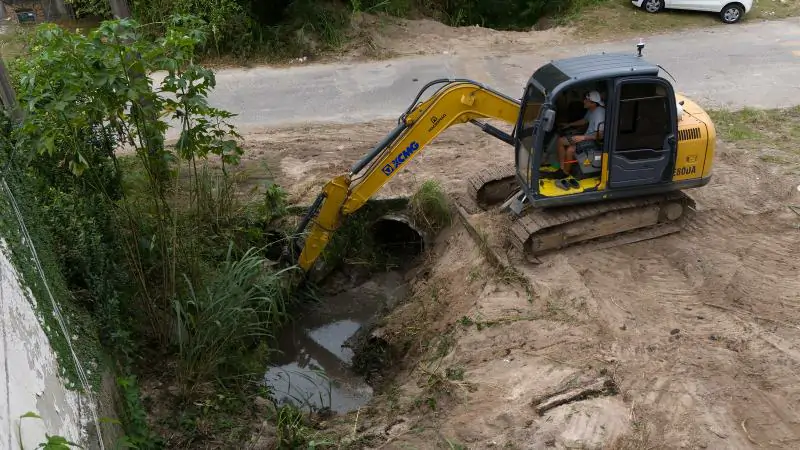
(529, 138)
(643, 142)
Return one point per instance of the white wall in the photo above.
(29, 373)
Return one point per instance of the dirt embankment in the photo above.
(382, 36)
(698, 331)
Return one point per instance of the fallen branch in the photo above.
(603, 386)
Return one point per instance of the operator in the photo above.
(568, 146)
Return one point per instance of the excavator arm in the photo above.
(458, 101)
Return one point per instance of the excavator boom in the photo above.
(457, 101)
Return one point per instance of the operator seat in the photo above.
(590, 162)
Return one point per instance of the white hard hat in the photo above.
(594, 96)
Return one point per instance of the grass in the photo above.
(613, 18)
(752, 128)
(429, 206)
(243, 303)
(775, 9)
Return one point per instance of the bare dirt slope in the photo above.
(698, 330)
(405, 37)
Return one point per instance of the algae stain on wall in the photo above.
(30, 376)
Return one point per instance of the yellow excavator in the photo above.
(627, 185)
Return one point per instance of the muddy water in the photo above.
(314, 368)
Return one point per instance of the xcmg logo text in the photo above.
(401, 158)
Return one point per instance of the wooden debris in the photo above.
(601, 386)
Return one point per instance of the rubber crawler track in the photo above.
(493, 185)
(535, 222)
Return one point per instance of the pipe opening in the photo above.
(398, 237)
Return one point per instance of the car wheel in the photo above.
(731, 13)
(653, 6)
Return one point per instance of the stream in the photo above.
(313, 370)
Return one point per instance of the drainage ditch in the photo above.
(318, 368)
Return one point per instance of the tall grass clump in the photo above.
(429, 206)
(218, 322)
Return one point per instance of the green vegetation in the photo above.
(51, 442)
(781, 127)
(241, 305)
(248, 31)
(281, 29)
(773, 133)
(157, 259)
(497, 14)
(429, 206)
(152, 257)
(355, 242)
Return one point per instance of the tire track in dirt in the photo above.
(666, 283)
(694, 370)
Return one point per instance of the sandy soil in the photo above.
(392, 36)
(304, 158)
(698, 330)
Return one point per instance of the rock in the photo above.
(263, 404)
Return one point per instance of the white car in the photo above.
(730, 11)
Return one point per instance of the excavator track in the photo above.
(624, 221)
(599, 224)
(493, 185)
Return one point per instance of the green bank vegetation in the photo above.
(170, 265)
(281, 29)
(274, 31)
(164, 265)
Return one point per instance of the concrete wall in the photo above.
(29, 373)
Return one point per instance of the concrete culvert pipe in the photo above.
(397, 235)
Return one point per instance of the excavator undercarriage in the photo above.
(536, 232)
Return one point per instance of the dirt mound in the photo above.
(382, 35)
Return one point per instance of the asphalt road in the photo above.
(751, 64)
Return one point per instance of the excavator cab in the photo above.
(636, 149)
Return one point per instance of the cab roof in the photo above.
(590, 68)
